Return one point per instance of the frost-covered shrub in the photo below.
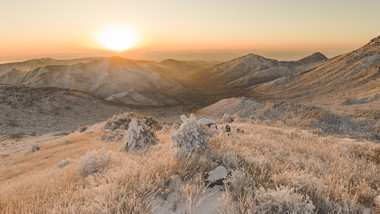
(307, 184)
(282, 200)
(115, 128)
(241, 196)
(64, 163)
(230, 159)
(191, 136)
(138, 137)
(227, 118)
(94, 162)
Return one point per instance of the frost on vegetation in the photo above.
(227, 118)
(115, 128)
(191, 136)
(138, 137)
(282, 200)
(230, 160)
(94, 162)
(64, 163)
(192, 194)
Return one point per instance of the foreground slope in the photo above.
(271, 169)
(320, 120)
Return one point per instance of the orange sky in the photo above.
(213, 29)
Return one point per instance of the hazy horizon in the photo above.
(197, 30)
(201, 55)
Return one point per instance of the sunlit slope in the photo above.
(352, 75)
(249, 70)
(133, 82)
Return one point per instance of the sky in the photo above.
(188, 30)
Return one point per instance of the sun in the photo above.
(117, 38)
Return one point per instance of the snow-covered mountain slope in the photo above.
(250, 70)
(355, 75)
(105, 78)
(32, 64)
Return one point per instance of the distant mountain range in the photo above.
(250, 70)
(127, 81)
(148, 83)
(173, 82)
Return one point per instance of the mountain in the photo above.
(350, 78)
(133, 82)
(115, 78)
(183, 69)
(250, 70)
(28, 65)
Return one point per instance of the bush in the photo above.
(282, 200)
(191, 136)
(64, 163)
(138, 137)
(116, 126)
(94, 162)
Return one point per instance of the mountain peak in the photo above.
(315, 57)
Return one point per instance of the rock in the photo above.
(175, 126)
(4, 155)
(206, 122)
(251, 119)
(216, 176)
(191, 136)
(238, 119)
(83, 129)
(227, 118)
(35, 148)
(138, 137)
(68, 141)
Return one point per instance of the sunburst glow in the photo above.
(117, 38)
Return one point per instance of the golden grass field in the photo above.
(273, 170)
